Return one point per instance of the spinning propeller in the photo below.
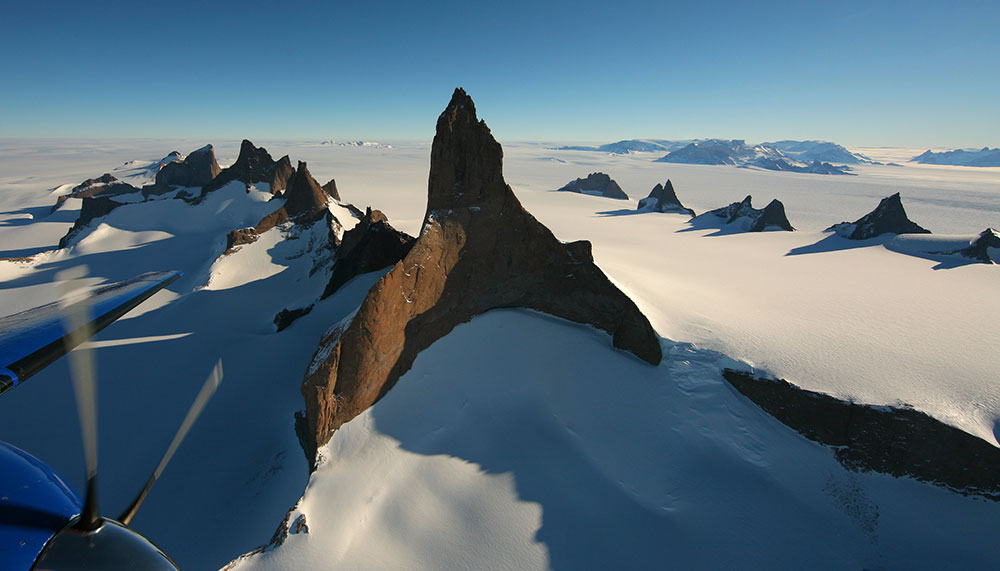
(90, 541)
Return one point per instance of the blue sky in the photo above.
(859, 73)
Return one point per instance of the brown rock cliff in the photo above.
(478, 250)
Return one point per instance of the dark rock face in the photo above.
(92, 207)
(253, 165)
(979, 249)
(105, 185)
(597, 182)
(286, 317)
(371, 245)
(663, 199)
(280, 175)
(889, 217)
(772, 215)
(305, 203)
(890, 440)
(478, 250)
(330, 189)
(197, 169)
(304, 197)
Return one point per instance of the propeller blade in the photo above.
(78, 329)
(207, 390)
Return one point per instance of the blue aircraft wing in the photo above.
(32, 339)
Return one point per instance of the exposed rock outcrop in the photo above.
(239, 237)
(663, 199)
(478, 250)
(286, 317)
(889, 217)
(330, 189)
(253, 165)
(757, 220)
(305, 203)
(890, 440)
(979, 249)
(196, 169)
(371, 245)
(596, 183)
(92, 207)
(105, 185)
(304, 197)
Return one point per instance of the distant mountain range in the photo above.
(985, 157)
(632, 146)
(794, 156)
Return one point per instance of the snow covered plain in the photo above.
(520, 441)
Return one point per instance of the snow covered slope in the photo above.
(854, 320)
(520, 441)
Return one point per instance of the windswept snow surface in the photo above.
(520, 441)
(516, 434)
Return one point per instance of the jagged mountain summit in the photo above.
(196, 169)
(889, 217)
(254, 165)
(597, 184)
(478, 250)
(305, 203)
(750, 219)
(985, 157)
(663, 199)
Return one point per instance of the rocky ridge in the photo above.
(756, 220)
(371, 245)
(891, 440)
(254, 164)
(979, 249)
(478, 250)
(889, 217)
(197, 169)
(305, 203)
(663, 198)
(596, 183)
(106, 185)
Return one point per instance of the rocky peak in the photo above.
(330, 188)
(663, 198)
(280, 175)
(304, 196)
(979, 248)
(596, 182)
(465, 159)
(888, 217)
(758, 220)
(196, 169)
(478, 250)
(371, 245)
(254, 164)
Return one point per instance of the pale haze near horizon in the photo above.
(919, 75)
